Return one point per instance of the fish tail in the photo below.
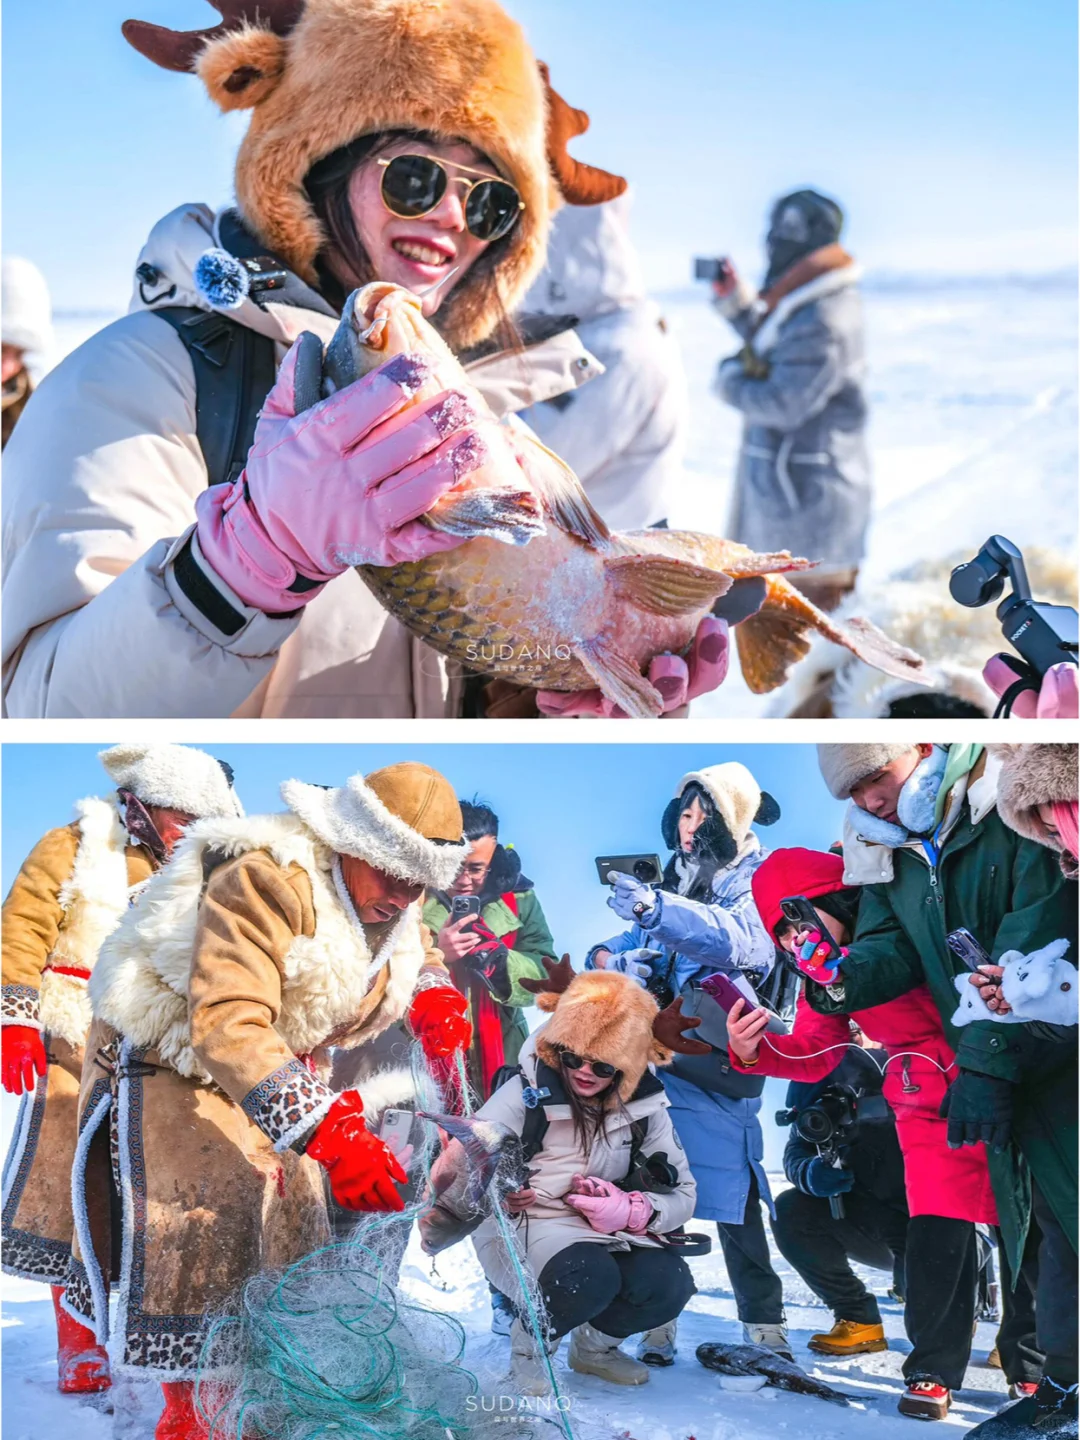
(771, 642)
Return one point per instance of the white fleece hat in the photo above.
(739, 799)
(177, 777)
(843, 766)
(25, 307)
(404, 820)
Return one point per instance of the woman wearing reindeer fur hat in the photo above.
(215, 1004)
(71, 891)
(699, 920)
(590, 1113)
(410, 141)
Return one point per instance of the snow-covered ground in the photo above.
(973, 395)
(681, 1402)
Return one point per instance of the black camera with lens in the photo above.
(832, 1124)
(1044, 635)
(661, 989)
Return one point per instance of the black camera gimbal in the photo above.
(1044, 635)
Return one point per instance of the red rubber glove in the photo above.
(438, 1019)
(362, 1169)
(22, 1058)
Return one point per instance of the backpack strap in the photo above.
(234, 372)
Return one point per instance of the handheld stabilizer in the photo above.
(1044, 635)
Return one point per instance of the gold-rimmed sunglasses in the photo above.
(413, 185)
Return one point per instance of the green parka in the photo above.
(1010, 893)
(525, 961)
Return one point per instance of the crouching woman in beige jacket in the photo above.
(596, 1245)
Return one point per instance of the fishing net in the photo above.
(330, 1347)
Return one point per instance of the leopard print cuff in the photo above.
(288, 1104)
(19, 1006)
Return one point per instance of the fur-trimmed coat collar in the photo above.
(142, 983)
(829, 283)
(93, 899)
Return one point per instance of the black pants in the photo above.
(1055, 1294)
(942, 1270)
(759, 1294)
(1021, 1358)
(821, 1248)
(618, 1291)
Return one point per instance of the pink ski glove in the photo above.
(679, 681)
(607, 1208)
(331, 487)
(1057, 700)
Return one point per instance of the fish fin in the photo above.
(664, 585)
(560, 491)
(512, 517)
(778, 636)
(620, 680)
(775, 564)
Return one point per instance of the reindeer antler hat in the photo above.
(605, 1015)
(318, 74)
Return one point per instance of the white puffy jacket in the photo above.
(625, 434)
(100, 481)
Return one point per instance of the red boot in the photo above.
(180, 1420)
(82, 1363)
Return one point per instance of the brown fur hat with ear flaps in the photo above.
(603, 1015)
(318, 74)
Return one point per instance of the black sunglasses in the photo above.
(600, 1068)
(413, 185)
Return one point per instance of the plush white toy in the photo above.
(1042, 985)
(973, 1007)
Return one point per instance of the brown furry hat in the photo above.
(461, 69)
(603, 1015)
(1033, 775)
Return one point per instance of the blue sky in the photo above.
(559, 805)
(946, 127)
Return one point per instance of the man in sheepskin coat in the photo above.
(71, 891)
(266, 941)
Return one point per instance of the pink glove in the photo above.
(678, 680)
(813, 957)
(329, 488)
(1057, 700)
(607, 1208)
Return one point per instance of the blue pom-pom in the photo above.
(221, 279)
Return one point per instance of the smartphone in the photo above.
(462, 905)
(802, 914)
(709, 269)
(646, 868)
(725, 991)
(395, 1129)
(966, 948)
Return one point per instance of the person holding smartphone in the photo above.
(701, 919)
(945, 1192)
(804, 470)
(924, 833)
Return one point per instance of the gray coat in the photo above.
(803, 481)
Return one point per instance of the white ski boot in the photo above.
(528, 1366)
(592, 1353)
(773, 1337)
(657, 1346)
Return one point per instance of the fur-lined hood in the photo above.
(141, 983)
(1034, 775)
